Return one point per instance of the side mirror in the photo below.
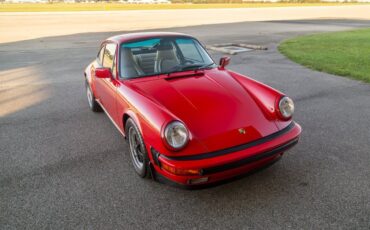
(224, 61)
(103, 73)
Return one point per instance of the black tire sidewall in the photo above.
(144, 172)
(95, 106)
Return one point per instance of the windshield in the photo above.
(156, 56)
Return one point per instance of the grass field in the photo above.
(35, 7)
(341, 53)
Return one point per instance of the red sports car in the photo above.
(187, 120)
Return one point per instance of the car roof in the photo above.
(144, 35)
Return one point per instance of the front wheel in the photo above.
(138, 153)
(94, 106)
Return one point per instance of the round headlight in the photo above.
(286, 107)
(176, 134)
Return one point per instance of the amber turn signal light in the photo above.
(178, 171)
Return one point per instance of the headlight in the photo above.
(176, 134)
(286, 107)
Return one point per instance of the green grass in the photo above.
(341, 53)
(37, 7)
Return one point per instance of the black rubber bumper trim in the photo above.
(251, 159)
(232, 149)
(155, 156)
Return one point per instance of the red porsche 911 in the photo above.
(187, 120)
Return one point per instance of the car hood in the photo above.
(218, 111)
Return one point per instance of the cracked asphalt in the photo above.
(62, 166)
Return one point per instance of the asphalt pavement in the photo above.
(65, 167)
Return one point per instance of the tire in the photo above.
(138, 153)
(93, 105)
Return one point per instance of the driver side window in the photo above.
(109, 57)
(100, 55)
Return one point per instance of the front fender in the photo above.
(89, 76)
(150, 118)
(265, 96)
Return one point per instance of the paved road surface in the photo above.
(24, 26)
(62, 166)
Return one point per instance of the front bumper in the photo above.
(227, 163)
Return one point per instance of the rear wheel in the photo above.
(138, 153)
(94, 106)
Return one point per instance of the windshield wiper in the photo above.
(190, 67)
(180, 68)
(197, 66)
(206, 66)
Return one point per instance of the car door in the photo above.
(107, 87)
